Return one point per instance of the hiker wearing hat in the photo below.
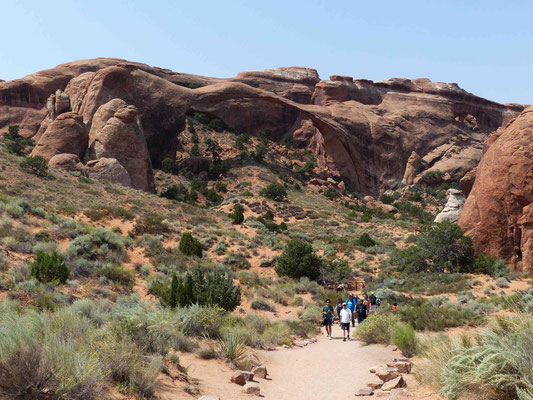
(373, 303)
(351, 302)
(346, 317)
(394, 306)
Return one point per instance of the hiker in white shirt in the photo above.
(346, 318)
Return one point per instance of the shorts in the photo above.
(345, 326)
(327, 321)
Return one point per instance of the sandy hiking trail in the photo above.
(325, 370)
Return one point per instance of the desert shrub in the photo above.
(404, 337)
(177, 192)
(299, 260)
(97, 214)
(502, 283)
(99, 243)
(331, 194)
(150, 223)
(35, 165)
(232, 346)
(365, 240)
(311, 314)
(49, 267)
(261, 304)
(277, 334)
(170, 166)
(15, 143)
(203, 288)
(189, 245)
(118, 275)
(488, 264)
(242, 140)
(260, 152)
(213, 197)
(496, 364)
(334, 272)
(201, 320)
(389, 198)
(377, 329)
(274, 191)
(237, 261)
(237, 216)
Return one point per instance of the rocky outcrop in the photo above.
(467, 181)
(411, 169)
(452, 209)
(122, 138)
(108, 169)
(66, 134)
(497, 211)
(360, 131)
(67, 162)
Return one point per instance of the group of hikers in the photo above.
(348, 310)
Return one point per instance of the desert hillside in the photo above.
(162, 232)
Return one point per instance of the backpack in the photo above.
(378, 301)
(373, 300)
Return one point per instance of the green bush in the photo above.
(261, 304)
(365, 240)
(377, 329)
(49, 267)
(212, 288)
(389, 198)
(238, 214)
(150, 224)
(98, 243)
(241, 140)
(274, 191)
(299, 260)
(177, 192)
(331, 194)
(404, 337)
(333, 273)
(189, 245)
(260, 152)
(35, 165)
(170, 166)
(213, 197)
(118, 274)
(15, 143)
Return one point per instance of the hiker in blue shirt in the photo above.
(351, 302)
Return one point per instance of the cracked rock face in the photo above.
(452, 210)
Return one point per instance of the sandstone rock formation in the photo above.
(411, 169)
(497, 213)
(66, 134)
(67, 162)
(122, 138)
(360, 131)
(452, 209)
(108, 169)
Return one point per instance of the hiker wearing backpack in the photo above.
(361, 311)
(373, 303)
(327, 317)
(351, 302)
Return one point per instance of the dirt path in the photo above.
(326, 370)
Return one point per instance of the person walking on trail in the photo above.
(327, 314)
(394, 306)
(339, 308)
(346, 317)
(362, 311)
(351, 303)
(373, 303)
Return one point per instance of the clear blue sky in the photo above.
(484, 45)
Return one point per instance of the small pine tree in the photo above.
(238, 214)
(49, 267)
(190, 246)
(365, 240)
(274, 191)
(35, 165)
(299, 260)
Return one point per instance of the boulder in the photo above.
(403, 367)
(251, 388)
(502, 190)
(260, 371)
(375, 383)
(108, 169)
(248, 375)
(373, 369)
(526, 241)
(364, 391)
(452, 209)
(388, 208)
(387, 374)
(397, 382)
(252, 358)
(66, 134)
(399, 394)
(239, 378)
(62, 102)
(67, 162)
(122, 138)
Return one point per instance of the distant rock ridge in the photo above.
(360, 131)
